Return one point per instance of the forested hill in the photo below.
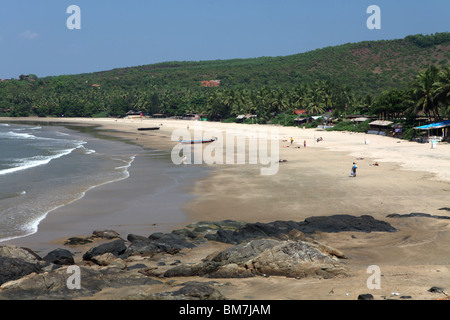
(352, 75)
(365, 67)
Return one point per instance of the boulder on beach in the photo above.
(54, 284)
(24, 254)
(60, 256)
(116, 247)
(194, 290)
(105, 234)
(13, 269)
(281, 229)
(170, 243)
(266, 257)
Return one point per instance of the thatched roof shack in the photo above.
(360, 119)
(380, 127)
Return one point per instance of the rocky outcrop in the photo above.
(12, 269)
(194, 290)
(417, 215)
(53, 285)
(266, 257)
(170, 243)
(281, 229)
(116, 247)
(280, 248)
(19, 253)
(60, 256)
(16, 262)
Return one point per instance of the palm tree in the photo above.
(316, 100)
(279, 101)
(298, 97)
(264, 97)
(442, 90)
(424, 92)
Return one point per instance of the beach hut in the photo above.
(380, 127)
(191, 116)
(242, 117)
(359, 119)
(300, 121)
(438, 131)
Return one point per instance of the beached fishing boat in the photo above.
(150, 128)
(197, 141)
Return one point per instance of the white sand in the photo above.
(411, 177)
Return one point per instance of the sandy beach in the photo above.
(312, 181)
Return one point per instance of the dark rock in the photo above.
(134, 237)
(106, 234)
(204, 227)
(137, 266)
(143, 247)
(265, 257)
(341, 223)
(282, 229)
(60, 256)
(170, 243)
(77, 241)
(171, 240)
(416, 214)
(365, 296)
(436, 290)
(198, 291)
(13, 269)
(200, 269)
(186, 233)
(53, 285)
(116, 247)
(20, 253)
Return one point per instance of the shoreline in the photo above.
(314, 182)
(92, 210)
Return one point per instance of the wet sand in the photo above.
(315, 181)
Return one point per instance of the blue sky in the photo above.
(34, 37)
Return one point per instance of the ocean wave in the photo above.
(32, 226)
(35, 161)
(59, 133)
(88, 151)
(30, 136)
(31, 128)
(17, 135)
(127, 163)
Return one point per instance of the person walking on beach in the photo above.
(304, 143)
(354, 167)
(292, 140)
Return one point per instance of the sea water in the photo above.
(43, 168)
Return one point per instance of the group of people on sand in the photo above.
(292, 141)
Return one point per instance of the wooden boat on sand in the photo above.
(197, 141)
(149, 128)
